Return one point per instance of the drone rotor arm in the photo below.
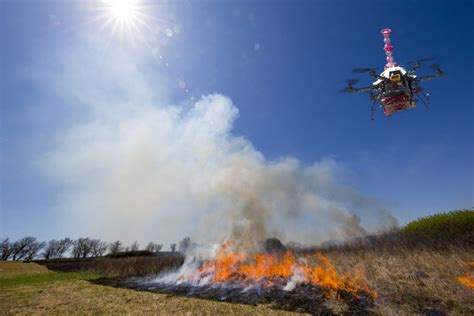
(437, 75)
(363, 89)
(415, 68)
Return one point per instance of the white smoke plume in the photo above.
(132, 168)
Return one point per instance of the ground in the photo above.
(415, 283)
(29, 288)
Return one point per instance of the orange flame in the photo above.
(468, 279)
(270, 269)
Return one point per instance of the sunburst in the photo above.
(124, 17)
(124, 11)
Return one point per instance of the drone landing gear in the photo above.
(372, 110)
(424, 98)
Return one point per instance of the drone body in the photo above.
(395, 89)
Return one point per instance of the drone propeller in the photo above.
(421, 60)
(417, 63)
(371, 71)
(362, 70)
(437, 68)
(350, 82)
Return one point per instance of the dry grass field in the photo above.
(407, 283)
(414, 282)
(30, 289)
(426, 268)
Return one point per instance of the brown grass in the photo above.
(116, 266)
(135, 266)
(412, 281)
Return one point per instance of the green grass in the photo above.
(18, 273)
(46, 277)
(13, 268)
(451, 226)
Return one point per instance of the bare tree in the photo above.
(57, 248)
(154, 247)
(33, 249)
(6, 248)
(63, 247)
(17, 249)
(173, 247)
(51, 249)
(98, 247)
(150, 247)
(26, 247)
(115, 247)
(82, 248)
(135, 246)
(184, 245)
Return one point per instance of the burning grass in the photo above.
(400, 280)
(468, 279)
(302, 299)
(283, 270)
(285, 281)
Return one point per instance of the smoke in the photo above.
(133, 168)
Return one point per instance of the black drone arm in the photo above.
(364, 89)
(429, 77)
(438, 74)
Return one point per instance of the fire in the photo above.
(233, 267)
(468, 279)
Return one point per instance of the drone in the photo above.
(395, 89)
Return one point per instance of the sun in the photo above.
(123, 11)
(123, 17)
(130, 22)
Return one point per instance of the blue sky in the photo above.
(280, 62)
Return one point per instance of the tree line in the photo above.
(29, 248)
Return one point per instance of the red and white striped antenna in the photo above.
(388, 48)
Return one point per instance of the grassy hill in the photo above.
(456, 227)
